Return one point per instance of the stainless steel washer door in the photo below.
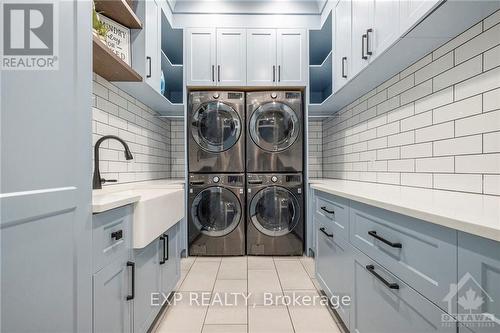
(274, 126)
(216, 211)
(216, 126)
(274, 211)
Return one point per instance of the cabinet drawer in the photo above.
(335, 210)
(334, 266)
(423, 255)
(378, 308)
(111, 235)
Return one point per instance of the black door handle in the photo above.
(274, 73)
(368, 32)
(344, 75)
(213, 73)
(165, 246)
(323, 230)
(149, 65)
(218, 73)
(373, 233)
(279, 73)
(363, 47)
(162, 261)
(389, 285)
(117, 235)
(328, 211)
(132, 295)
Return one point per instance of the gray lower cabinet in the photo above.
(383, 303)
(334, 267)
(478, 294)
(170, 263)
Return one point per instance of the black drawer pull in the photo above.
(328, 211)
(117, 235)
(132, 264)
(389, 285)
(373, 233)
(323, 230)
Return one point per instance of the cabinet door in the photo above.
(169, 260)
(334, 265)
(291, 57)
(201, 51)
(147, 281)
(411, 11)
(342, 42)
(261, 57)
(153, 61)
(362, 20)
(112, 310)
(231, 57)
(385, 31)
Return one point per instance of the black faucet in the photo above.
(97, 181)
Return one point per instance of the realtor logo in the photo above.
(29, 40)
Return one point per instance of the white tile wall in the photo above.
(115, 112)
(435, 125)
(315, 159)
(178, 148)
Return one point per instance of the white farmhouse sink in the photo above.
(155, 212)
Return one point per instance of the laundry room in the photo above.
(250, 166)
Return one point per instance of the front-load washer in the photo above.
(216, 214)
(216, 127)
(275, 131)
(275, 214)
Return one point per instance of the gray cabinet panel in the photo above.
(170, 269)
(378, 309)
(427, 258)
(478, 293)
(112, 311)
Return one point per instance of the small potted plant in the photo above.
(98, 27)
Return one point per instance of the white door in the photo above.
(385, 31)
(153, 60)
(342, 44)
(362, 21)
(231, 57)
(291, 57)
(200, 50)
(411, 11)
(261, 57)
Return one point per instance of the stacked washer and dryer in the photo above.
(245, 167)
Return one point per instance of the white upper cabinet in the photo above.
(385, 26)
(342, 43)
(291, 57)
(362, 22)
(201, 56)
(411, 11)
(261, 57)
(231, 57)
(152, 45)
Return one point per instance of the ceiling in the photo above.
(256, 7)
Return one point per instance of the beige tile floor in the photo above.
(233, 279)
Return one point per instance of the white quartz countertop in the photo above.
(114, 196)
(472, 213)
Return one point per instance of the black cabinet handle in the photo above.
(213, 73)
(328, 211)
(274, 73)
(162, 261)
(389, 285)
(132, 295)
(323, 230)
(117, 235)
(373, 233)
(368, 50)
(279, 73)
(218, 73)
(165, 257)
(363, 38)
(344, 75)
(149, 66)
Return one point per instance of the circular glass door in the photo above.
(216, 126)
(274, 126)
(274, 211)
(216, 211)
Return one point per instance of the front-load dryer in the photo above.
(216, 214)
(216, 127)
(275, 214)
(275, 131)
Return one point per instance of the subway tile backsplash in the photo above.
(315, 160)
(117, 113)
(436, 124)
(177, 148)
